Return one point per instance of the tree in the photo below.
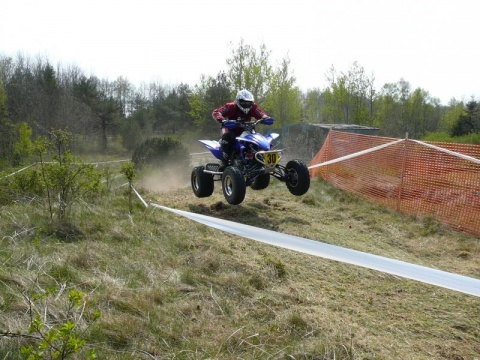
(102, 105)
(3, 101)
(131, 132)
(350, 96)
(172, 110)
(416, 113)
(336, 107)
(210, 94)
(20, 92)
(359, 88)
(7, 140)
(387, 111)
(6, 68)
(399, 111)
(123, 93)
(390, 108)
(469, 121)
(250, 69)
(450, 117)
(7, 129)
(139, 122)
(48, 95)
(313, 104)
(283, 100)
(23, 148)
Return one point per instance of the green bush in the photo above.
(473, 138)
(66, 178)
(438, 137)
(27, 183)
(158, 152)
(61, 181)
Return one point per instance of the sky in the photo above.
(432, 44)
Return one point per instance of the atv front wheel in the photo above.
(202, 183)
(233, 185)
(298, 177)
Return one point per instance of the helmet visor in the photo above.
(246, 104)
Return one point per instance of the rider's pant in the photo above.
(227, 143)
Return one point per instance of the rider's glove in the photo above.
(267, 121)
(229, 124)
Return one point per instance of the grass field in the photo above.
(170, 288)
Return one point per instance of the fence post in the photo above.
(402, 175)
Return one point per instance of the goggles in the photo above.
(246, 104)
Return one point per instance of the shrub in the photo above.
(472, 138)
(160, 152)
(56, 337)
(66, 178)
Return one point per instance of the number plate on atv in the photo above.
(271, 158)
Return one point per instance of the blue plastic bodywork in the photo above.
(263, 143)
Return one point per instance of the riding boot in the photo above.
(226, 143)
(224, 161)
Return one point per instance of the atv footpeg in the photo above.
(212, 167)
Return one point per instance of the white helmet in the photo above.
(244, 100)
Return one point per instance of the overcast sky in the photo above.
(432, 44)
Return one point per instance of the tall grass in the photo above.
(169, 288)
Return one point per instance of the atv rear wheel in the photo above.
(233, 185)
(261, 182)
(202, 183)
(298, 177)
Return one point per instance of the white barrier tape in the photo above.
(115, 177)
(52, 162)
(363, 152)
(136, 192)
(424, 274)
(359, 153)
(127, 183)
(108, 162)
(450, 152)
(420, 273)
(18, 171)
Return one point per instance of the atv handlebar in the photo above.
(230, 124)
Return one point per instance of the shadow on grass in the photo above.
(253, 214)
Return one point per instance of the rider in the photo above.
(241, 110)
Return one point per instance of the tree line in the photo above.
(37, 96)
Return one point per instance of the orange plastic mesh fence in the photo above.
(426, 178)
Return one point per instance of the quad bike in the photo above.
(254, 162)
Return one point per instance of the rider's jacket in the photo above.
(232, 112)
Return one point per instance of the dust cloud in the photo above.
(167, 178)
(173, 176)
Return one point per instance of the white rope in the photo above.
(376, 148)
(115, 177)
(16, 172)
(450, 152)
(53, 162)
(359, 153)
(108, 162)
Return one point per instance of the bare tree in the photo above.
(102, 105)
